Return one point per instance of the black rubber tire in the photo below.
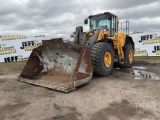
(127, 48)
(97, 58)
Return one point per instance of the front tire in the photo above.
(102, 58)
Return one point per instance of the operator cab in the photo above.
(106, 21)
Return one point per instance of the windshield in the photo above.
(99, 22)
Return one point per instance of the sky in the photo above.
(59, 18)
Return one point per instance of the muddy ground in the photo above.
(126, 94)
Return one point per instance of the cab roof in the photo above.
(108, 13)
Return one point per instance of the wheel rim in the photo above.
(130, 56)
(107, 59)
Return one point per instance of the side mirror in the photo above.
(86, 21)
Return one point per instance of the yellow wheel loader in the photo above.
(65, 66)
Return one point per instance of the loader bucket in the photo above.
(58, 65)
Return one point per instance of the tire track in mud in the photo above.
(72, 114)
(123, 110)
(14, 111)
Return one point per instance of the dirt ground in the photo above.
(126, 94)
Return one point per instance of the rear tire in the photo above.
(128, 56)
(102, 58)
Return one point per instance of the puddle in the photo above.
(140, 74)
(117, 68)
(139, 67)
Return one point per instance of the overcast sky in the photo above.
(60, 17)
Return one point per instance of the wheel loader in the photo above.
(65, 66)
